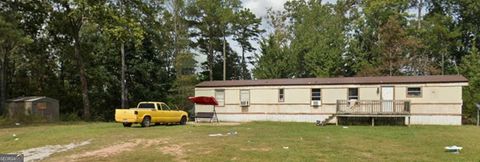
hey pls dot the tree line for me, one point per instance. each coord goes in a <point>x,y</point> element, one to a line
<point>374,38</point>
<point>98,55</point>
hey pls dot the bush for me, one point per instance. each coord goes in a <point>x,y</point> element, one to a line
<point>70,117</point>
<point>468,120</point>
<point>5,121</point>
<point>22,119</point>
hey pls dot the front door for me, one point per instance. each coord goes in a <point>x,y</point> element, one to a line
<point>387,99</point>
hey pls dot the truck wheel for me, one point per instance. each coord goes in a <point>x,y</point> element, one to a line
<point>183,121</point>
<point>127,124</point>
<point>145,122</point>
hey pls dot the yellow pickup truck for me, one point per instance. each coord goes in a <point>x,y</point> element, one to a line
<point>147,113</point>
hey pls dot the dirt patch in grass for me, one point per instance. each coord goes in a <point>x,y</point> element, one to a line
<point>205,151</point>
<point>262,149</point>
<point>118,148</point>
<point>39,153</point>
<point>175,150</point>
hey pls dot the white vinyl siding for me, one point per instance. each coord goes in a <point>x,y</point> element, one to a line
<point>220,96</point>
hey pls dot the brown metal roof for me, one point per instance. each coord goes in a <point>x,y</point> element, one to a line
<point>340,80</point>
<point>30,99</point>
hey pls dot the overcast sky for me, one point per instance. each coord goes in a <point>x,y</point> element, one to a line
<point>259,7</point>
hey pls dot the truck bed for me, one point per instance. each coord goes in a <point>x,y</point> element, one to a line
<point>126,115</point>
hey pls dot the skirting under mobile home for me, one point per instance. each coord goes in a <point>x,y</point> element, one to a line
<point>435,100</point>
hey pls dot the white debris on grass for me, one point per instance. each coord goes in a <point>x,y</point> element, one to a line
<point>39,153</point>
<point>17,124</point>
<point>453,149</point>
<point>345,127</point>
<point>215,135</point>
<point>227,134</point>
<point>285,147</point>
<point>14,135</point>
<point>232,133</point>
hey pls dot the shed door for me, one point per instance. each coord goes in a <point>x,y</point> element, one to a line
<point>41,109</point>
<point>387,99</point>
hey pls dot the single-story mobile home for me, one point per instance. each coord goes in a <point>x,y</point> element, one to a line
<point>414,99</point>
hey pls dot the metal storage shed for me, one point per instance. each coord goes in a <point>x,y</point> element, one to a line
<point>39,106</point>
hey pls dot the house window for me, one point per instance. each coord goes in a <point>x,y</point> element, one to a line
<point>245,95</point>
<point>352,93</point>
<point>220,96</point>
<point>316,94</point>
<point>414,92</point>
<point>281,95</point>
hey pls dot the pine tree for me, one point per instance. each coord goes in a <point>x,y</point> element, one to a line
<point>246,27</point>
<point>470,68</point>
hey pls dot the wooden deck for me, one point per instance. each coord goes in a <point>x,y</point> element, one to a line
<point>373,107</point>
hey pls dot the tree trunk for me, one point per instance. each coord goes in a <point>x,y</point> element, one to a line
<point>390,64</point>
<point>419,13</point>
<point>478,116</point>
<point>62,74</point>
<point>3,85</point>
<point>443,64</point>
<point>6,50</point>
<point>83,79</point>
<point>244,65</point>
<point>224,58</point>
<point>175,30</point>
<point>210,60</point>
<point>124,81</point>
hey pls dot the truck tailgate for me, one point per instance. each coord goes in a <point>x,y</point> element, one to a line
<point>125,115</point>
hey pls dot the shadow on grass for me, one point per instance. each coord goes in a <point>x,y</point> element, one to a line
<point>156,125</point>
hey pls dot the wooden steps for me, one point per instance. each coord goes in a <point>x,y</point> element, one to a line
<point>324,122</point>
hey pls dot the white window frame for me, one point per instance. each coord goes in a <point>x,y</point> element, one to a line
<point>350,97</point>
<point>414,96</point>
<point>281,95</point>
<point>313,94</point>
<point>244,92</point>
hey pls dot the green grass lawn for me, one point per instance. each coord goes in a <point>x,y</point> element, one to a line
<point>257,141</point>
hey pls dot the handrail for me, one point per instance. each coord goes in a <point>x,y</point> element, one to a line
<point>373,106</point>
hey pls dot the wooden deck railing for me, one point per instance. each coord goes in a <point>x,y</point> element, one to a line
<point>373,107</point>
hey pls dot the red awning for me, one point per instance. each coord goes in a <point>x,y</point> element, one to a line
<point>204,100</point>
